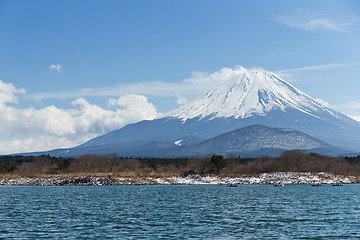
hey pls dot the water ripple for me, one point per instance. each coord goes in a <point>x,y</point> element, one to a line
<point>180,212</point>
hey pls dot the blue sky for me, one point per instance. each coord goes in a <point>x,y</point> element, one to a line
<point>72,70</point>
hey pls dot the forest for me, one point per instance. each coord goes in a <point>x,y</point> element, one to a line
<point>229,165</point>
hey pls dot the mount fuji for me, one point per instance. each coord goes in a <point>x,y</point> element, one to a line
<point>251,96</point>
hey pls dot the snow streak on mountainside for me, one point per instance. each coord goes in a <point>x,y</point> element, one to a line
<point>250,92</point>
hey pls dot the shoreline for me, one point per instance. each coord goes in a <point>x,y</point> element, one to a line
<point>258,179</point>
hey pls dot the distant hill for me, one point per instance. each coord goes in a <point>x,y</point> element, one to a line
<point>254,140</point>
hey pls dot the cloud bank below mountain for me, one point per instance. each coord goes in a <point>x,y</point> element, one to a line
<point>31,129</point>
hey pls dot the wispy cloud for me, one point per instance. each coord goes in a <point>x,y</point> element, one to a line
<point>351,108</point>
<point>309,24</point>
<point>308,21</point>
<point>355,106</point>
<point>317,67</point>
<point>152,88</point>
<point>355,117</point>
<point>294,74</point>
<point>56,67</point>
<point>198,83</point>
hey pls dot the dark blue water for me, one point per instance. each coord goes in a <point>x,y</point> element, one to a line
<point>180,212</point>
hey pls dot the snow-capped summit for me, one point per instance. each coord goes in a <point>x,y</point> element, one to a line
<point>250,92</point>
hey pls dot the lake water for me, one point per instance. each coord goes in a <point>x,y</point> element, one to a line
<point>180,212</point>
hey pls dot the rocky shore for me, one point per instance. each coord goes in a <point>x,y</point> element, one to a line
<point>263,178</point>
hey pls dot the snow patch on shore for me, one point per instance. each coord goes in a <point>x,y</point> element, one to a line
<point>263,178</point>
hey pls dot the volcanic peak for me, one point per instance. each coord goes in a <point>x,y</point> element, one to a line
<point>248,93</point>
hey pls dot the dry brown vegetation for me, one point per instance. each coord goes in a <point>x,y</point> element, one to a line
<point>113,166</point>
<point>294,161</point>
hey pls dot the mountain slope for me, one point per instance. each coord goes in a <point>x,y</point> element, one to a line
<point>253,140</point>
<point>250,93</point>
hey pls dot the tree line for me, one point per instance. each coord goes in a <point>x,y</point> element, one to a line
<point>230,165</point>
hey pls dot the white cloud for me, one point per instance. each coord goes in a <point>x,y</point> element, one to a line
<point>355,117</point>
<point>8,91</point>
<point>305,20</point>
<point>36,129</point>
<point>40,143</point>
<point>181,100</point>
<point>213,79</point>
<point>133,107</point>
<point>55,67</point>
<point>326,104</point>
